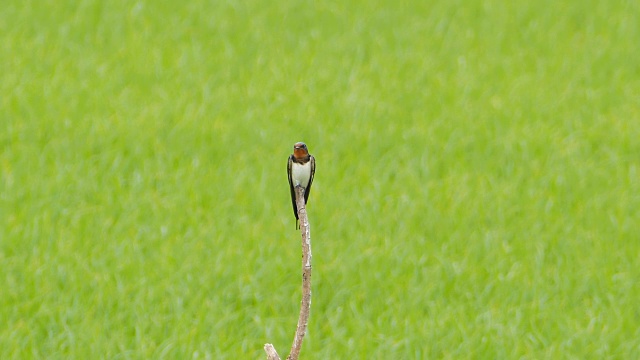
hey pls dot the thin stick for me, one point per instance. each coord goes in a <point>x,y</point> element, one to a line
<point>272,354</point>
<point>305,307</point>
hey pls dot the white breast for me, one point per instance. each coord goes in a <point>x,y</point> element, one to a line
<point>300,174</point>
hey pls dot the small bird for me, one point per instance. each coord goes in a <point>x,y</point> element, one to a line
<point>301,168</point>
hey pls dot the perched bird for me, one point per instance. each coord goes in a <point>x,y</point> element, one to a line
<point>301,168</point>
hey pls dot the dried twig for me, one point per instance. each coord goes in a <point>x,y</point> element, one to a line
<point>272,354</point>
<point>305,307</point>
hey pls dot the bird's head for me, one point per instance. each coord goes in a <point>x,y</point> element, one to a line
<point>300,150</point>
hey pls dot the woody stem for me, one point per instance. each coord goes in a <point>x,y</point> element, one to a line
<point>305,307</point>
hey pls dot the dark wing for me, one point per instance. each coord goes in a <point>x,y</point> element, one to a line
<point>293,193</point>
<point>313,172</point>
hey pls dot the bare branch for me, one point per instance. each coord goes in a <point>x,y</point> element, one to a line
<point>272,354</point>
<point>305,307</point>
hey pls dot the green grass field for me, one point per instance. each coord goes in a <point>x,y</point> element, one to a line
<point>477,193</point>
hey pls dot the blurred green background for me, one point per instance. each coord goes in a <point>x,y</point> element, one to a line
<point>477,191</point>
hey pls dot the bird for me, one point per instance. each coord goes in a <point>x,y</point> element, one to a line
<point>301,169</point>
